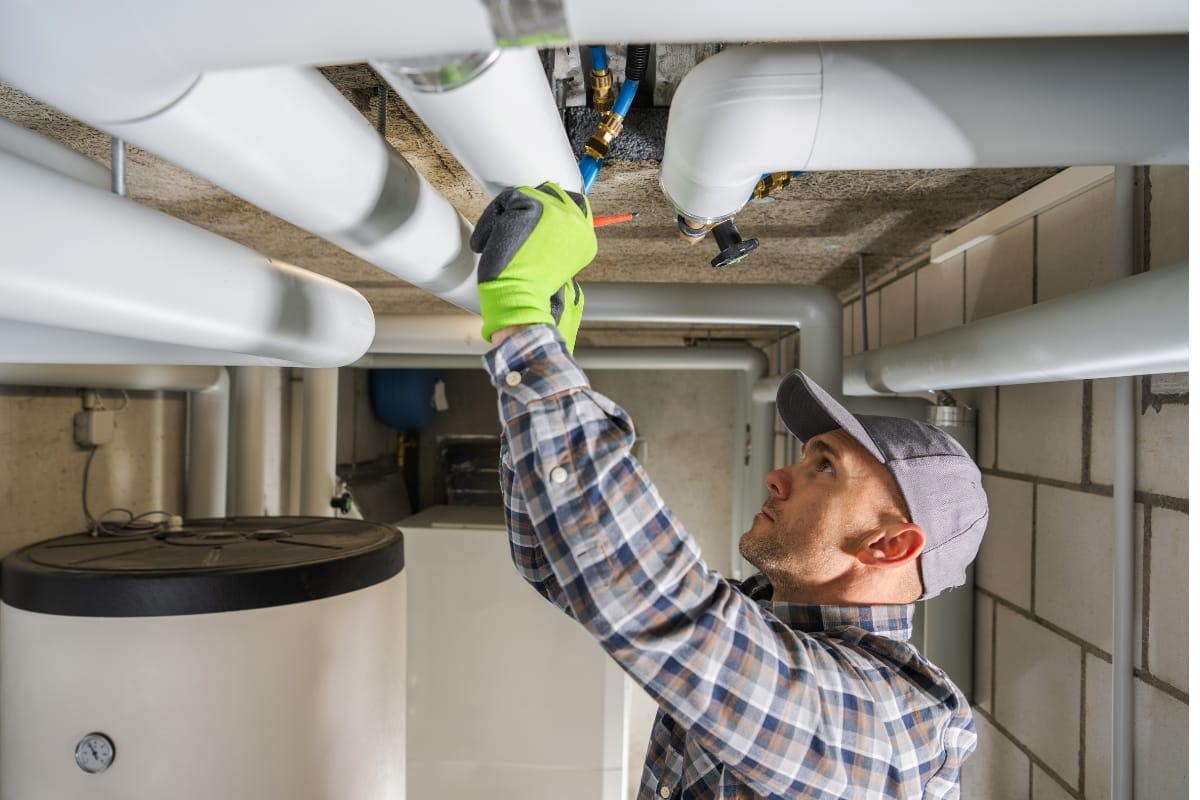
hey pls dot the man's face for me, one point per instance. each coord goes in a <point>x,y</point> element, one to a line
<point>819,512</point>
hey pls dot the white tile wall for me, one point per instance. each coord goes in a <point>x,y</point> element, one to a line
<point>940,296</point>
<point>984,608</point>
<point>1169,596</point>
<point>848,330</point>
<point>1038,685</point>
<point>872,320</point>
<point>1041,430</point>
<point>898,311</point>
<point>1160,755</point>
<point>984,400</point>
<point>1097,735</point>
<point>999,273</point>
<point>1005,561</point>
<point>855,327</point>
<point>1075,244</point>
<point>997,770</point>
<point>1074,554</point>
<point>1162,451</point>
<point>1046,788</point>
<point>1168,215</point>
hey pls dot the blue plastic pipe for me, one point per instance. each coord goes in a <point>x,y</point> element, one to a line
<point>589,167</point>
<point>599,57</point>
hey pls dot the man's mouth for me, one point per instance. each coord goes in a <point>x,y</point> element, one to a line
<point>765,513</point>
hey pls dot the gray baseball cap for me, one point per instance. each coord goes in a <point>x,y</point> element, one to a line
<point>939,481</point>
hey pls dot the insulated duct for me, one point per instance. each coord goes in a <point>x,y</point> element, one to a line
<point>128,271</point>
<point>995,103</point>
<point>36,149</point>
<point>524,140</point>
<point>1080,336</point>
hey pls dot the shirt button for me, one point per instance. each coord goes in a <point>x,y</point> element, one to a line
<point>512,378</point>
<point>558,475</point>
<point>664,791</point>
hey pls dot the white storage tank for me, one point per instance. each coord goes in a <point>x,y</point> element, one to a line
<point>241,658</point>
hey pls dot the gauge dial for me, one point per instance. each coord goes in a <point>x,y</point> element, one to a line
<point>95,753</point>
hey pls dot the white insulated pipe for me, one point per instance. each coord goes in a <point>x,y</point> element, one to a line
<point>318,460</point>
<point>153,62</point>
<point>30,343</point>
<point>248,484</point>
<point>79,258</point>
<point>814,310</point>
<point>208,414</point>
<point>1124,457</point>
<point>769,20</point>
<point>1135,326</point>
<point>35,148</point>
<point>908,105</point>
<point>208,450</point>
<point>503,125</point>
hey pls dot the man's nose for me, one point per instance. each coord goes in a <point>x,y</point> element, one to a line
<point>778,483</point>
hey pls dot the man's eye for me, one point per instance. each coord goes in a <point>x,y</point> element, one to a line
<point>824,466</point>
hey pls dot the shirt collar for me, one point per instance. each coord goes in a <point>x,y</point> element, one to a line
<point>892,621</point>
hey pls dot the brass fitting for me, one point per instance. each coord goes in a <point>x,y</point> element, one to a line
<point>603,95</point>
<point>691,231</point>
<point>607,129</point>
<point>770,184</point>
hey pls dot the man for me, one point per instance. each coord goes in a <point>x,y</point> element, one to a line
<point>798,683</point>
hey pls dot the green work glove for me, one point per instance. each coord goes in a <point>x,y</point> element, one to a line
<point>532,243</point>
<point>566,306</point>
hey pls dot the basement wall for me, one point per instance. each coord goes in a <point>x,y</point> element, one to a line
<point>1043,596</point>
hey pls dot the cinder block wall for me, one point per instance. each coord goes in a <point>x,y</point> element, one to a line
<point>1043,640</point>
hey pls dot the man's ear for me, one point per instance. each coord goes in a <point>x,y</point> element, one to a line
<point>893,546</point>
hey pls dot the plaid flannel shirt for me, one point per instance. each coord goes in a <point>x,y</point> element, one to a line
<point>757,699</point>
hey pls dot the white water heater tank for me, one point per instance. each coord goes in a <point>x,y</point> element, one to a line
<point>233,658</point>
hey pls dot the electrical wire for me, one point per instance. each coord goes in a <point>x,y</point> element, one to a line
<point>132,525</point>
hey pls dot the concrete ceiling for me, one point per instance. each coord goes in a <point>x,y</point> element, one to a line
<point>811,232</point>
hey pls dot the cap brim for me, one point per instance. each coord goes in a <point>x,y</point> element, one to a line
<point>808,410</point>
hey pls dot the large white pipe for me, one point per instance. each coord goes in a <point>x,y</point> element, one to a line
<point>208,414</point>
<point>1124,457</point>
<point>503,125</point>
<point>1135,326</point>
<point>26,144</point>
<point>248,478</point>
<point>208,450</point>
<point>318,475</point>
<point>769,20</point>
<point>30,343</point>
<point>83,259</point>
<point>155,61</point>
<point>815,310</point>
<point>933,104</point>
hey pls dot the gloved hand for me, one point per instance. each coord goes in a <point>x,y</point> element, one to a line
<point>532,243</point>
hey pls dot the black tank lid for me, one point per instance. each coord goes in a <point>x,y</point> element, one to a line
<point>207,566</point>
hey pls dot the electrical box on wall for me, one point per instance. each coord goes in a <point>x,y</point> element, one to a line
<point>93,427</point>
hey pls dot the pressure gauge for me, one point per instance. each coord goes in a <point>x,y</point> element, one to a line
<point>95,753</point>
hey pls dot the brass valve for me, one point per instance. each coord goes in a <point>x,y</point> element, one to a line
<point>607,129</point>
<point>603,95</point>
<point>770,184</point>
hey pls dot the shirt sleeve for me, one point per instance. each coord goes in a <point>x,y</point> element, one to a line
<point>774,705</point>
<point>527,555</point>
